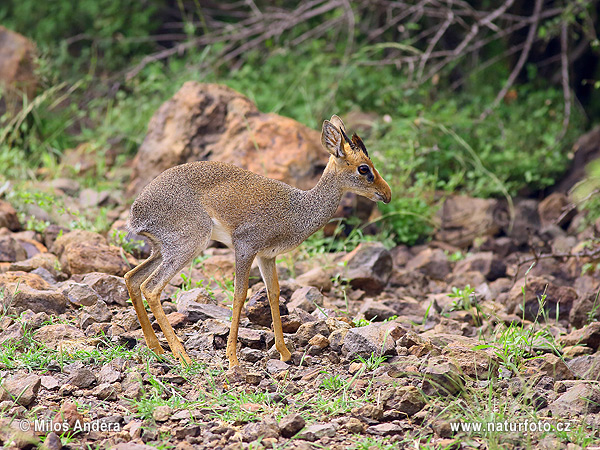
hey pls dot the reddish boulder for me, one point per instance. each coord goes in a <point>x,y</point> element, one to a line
<point>214,122</point>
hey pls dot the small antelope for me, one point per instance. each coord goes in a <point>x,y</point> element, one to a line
<point>186,206</point>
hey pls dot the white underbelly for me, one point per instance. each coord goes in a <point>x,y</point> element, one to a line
<point>220,233</point>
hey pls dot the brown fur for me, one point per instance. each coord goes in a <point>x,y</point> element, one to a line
<point>186,206</point>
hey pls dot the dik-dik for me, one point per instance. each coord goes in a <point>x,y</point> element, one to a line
<point>186,206</point>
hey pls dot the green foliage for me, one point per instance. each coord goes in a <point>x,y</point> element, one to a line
<point>373,361</point>
<point>112,30</point>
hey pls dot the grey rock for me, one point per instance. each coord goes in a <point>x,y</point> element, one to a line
<point>581,399</point>
<point>588,335</point>
<point>276,366</point>
<point>108,374</point>
<point>308,330</point>
<point>100,312</point>
<point>486,263</point>
<point>264,429</point>
<point>432,262</point>
<point>162,413</point>
<point>376,311</point>
<point>291,424</point>
<point>110,288</point>
<point>586,367</point>
<point>385,429</point>
<point>441,377</point>
<point>258,309</point>
<point>377,338</point>
<point>82,378</point>
<point>79,294</point>
<point>315,432</point>
<point>20,387</point>
<point>306,299</point>
<point>13,334</point>
<point>49,382</point>
<point>255,338</point>
<point>37,300</point>
<point>105,391</point>
<point>11,250</point>
<point>368,267</point>
<point>195,311</point>
<point>52,442</point>
<point>198,295</point>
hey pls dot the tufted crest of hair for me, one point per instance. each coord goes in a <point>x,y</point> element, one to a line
<point>358,144</point>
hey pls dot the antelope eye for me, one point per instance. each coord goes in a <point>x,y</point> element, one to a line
<point>363,169</point>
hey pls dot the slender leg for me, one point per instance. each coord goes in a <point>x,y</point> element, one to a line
<point>243,262</point>
<point>268,270</point>
<point>133,280</point>
<point>152,288</point>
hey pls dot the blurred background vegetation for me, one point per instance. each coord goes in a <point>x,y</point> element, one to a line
<point>482,97</point>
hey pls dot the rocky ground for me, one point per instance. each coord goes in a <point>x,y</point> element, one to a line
<point>493,323</point>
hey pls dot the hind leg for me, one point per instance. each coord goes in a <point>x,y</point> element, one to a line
<point>177,251</point>
<point>133,279</point>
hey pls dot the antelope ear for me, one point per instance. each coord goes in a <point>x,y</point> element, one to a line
<point>331,138</point>
<point>338,123</point>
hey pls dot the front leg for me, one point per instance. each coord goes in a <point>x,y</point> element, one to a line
<point>268,270</point>
<point>243,262</point>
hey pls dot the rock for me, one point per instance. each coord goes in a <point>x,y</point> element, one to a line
<point>368,267</point>
<point>317,277</point>
<point>526,219</point>
<point>385,429</point>
<point>17,70</point>
<point>588,335</point>
<point>430,262</point>
<point>586,367</point>
<point>52,335</point>
<point>210,121</point>
<point>441,377</point>
<point>264,429</point>
<point>133,446</point>
<point>561,297</point>
<point>75,236</point>
<point>549,365</point>
<point>49,383</point>
<point>315,432</point>
<point>551,210</point>
<point>306,298</point>
<point>585,309</point>
<point>406,400</point>
<point>485,263</point>
<point>21,297</point>
<point>11,249</point>
<point>198,295</point>
<point>162,413</point>
<point>476,364</point>
<point>254,338</point>
<point>52,442</point>
<point>20,387</point>
<point>377,338</point>
<point>46,261</point>
<point>581,399</point>
<point>67,186</point>
<point>354,426</point>
<point>291,424</point>
<point>13,334</point>
<point>258,309</point>
<point>308,330</point>
<point>376,311</point>
<point>197,311</point>
<point>276,366</point>
<point>290,323</point>
<point>463,219</point>
<point>8,217</point>
<point>79,294</point>
<point>86,257</point>
<point>110,288</point>
<point>319,341</point>
<point>82,378</point>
